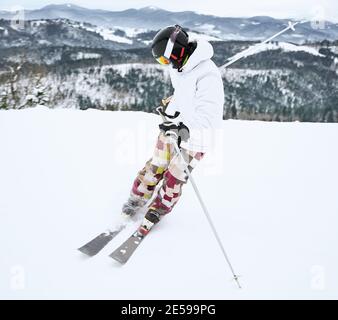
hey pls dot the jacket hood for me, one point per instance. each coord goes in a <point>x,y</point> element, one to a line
<point>204,51</point>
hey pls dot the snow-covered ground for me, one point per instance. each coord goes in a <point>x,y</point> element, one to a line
<point>270,187</point>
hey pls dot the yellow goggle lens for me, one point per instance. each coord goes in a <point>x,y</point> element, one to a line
<point>163,60</point>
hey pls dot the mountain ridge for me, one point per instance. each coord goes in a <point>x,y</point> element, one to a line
<point>154,18</point>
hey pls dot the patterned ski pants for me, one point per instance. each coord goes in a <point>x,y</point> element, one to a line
<point>165,165</point>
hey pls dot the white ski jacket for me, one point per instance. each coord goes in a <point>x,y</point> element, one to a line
<point>198,96</point>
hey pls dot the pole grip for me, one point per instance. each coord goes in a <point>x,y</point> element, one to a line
<point>163,114</point>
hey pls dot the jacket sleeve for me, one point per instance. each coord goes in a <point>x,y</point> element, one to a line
<point>208,104</point>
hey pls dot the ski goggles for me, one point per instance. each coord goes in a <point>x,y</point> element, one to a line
<point>163,60</point>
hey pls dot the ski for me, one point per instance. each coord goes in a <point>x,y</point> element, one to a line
<point>94,246</point>
<point>123,253</point>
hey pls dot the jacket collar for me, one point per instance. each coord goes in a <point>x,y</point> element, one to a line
<point>204,51</point>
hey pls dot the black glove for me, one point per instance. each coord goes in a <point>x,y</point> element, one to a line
<point>180,129</point>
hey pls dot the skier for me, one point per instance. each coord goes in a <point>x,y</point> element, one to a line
<point>197,103</point>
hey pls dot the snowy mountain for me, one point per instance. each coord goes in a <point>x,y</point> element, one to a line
<point>152,18</point>
<point>67,63</point>
<point>65,32</point>
<point>271,189</point>
<point>276,81</point>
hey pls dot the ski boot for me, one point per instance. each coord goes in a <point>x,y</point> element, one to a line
<point>133,205</point>
<point>151,218</point>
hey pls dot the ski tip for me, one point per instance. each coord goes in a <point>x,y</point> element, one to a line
<point>118,258</point>
<point>87,252</point>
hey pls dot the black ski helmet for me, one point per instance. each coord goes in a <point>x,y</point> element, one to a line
<point>171,45</point>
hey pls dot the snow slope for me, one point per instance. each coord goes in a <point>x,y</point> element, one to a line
<point>284,46</point>
<point>270,187</point>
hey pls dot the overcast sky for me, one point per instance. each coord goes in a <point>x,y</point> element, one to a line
<point>236,8</point>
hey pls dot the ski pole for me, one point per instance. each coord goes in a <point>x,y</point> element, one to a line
<point>173,138</point>
<point>240,55</point>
